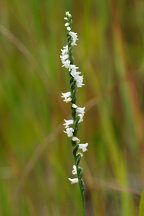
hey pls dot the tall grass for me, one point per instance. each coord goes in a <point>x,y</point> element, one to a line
<point>33,172</point>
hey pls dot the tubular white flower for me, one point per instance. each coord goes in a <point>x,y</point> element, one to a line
<point>66,96</point>
<point>80,111</point>
<point>74,106</point>
<point>68,28</point>
<point>83,147</point>
<point>65,57</point>
<point>81,118</point>
<point>73,67</point>
<point>68,14</point>
<point>75,74</point>
<point>79,81</point>
<point>74,38</point>
<point>73,181</point>
<point>67,24</point>
<point>76,139</point>
<point>66,63</point>
<point>68,123</point>
<point>74,171</point>
<point>69,132</point>
<point>64,50</point>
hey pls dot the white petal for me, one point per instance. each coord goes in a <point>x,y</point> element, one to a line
<point>68,123</point>
<point>68,28</point>
<point>68,14</point>
<point>67,24</point>
<point>66,97</point>
<point>80,110</point>
<point>73,67</point>
<point>73,181</point>
<point>74,171</point>
<point>69,132</point>
<point>83,147</point>
<point>74,38</point>
<point>81,117</point>
<point>74,106</point>
<point>76,139</point>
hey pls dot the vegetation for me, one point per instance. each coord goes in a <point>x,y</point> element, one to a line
<point>35,154</point>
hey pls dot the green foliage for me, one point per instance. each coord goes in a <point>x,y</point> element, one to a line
<point>141,206</point>
<point>110,53</point>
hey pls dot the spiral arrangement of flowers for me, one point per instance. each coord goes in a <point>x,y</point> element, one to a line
<point>71,126</point>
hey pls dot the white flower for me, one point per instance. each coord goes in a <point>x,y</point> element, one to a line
<point>81,118</point>
<point>80,111</point>
<point>65,57</point>
<point>66,63</point>
<point>75,74</point>
<point>67,123</point>
<point>73,67</point>
<point>68,14</point>
<point>67,24</point>
<point>69,132</point>
<point>83,147</point>
<point>74,106</point>
<point>64,50</point>
<point>66,96</point>
<point>79,81</point>
<point>74,171</point>
<point>73,181</point>
<point>68,28</point>
<point>74,38</point>
<point>76,139</point>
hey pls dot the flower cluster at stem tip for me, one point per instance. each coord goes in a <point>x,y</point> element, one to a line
<point>67,62</point>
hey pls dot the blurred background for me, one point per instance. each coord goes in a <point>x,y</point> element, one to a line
<point>35,155</point>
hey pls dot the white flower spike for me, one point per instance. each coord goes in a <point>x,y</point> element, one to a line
<point>76,81</point>
<point>73,180</point>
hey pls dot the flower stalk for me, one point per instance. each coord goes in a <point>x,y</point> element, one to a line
<point>71,126</point>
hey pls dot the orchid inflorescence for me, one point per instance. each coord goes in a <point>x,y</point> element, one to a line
<point>76,81</point>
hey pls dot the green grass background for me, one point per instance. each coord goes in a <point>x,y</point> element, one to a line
<point>35,155</point>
